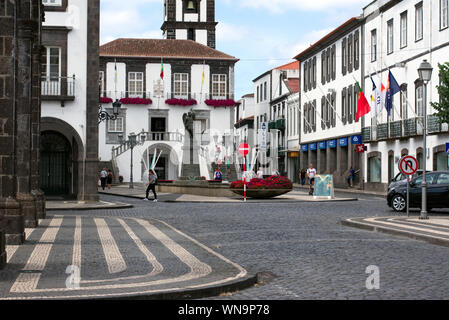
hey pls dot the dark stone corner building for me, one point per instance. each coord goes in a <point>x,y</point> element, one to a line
<point>22,201</point>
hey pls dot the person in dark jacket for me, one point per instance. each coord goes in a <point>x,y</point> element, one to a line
<point>152,181</point>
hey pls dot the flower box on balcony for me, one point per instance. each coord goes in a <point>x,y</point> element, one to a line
<point>136,101</point>
<point>181,102</point>
<point>220,103</point>
<point>105,100</point>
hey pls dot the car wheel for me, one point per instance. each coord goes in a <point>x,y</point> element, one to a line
<point>398,203</point>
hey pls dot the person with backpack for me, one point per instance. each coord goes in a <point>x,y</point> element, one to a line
<point>152,182</point>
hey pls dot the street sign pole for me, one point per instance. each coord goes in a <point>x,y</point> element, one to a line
<point>408,196</point>
<point>408,165</point>
<point>244,179</point>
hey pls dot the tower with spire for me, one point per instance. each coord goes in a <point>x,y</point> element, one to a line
<point>190,20</point>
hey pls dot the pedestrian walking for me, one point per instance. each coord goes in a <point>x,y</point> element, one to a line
<point>152,182</point>
<point>103,178</point>
<point>302,176</point>
<point>311,173</point>
<point>109,179</point>
<point>351,177</point>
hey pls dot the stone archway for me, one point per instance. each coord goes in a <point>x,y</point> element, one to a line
<point>74,155</point>
<point>167,167</point>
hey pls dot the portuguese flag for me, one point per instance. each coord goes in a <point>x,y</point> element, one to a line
<point>363,107</point>
<point>162,69</point>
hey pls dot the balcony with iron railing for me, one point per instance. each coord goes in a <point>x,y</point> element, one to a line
<point>58,88</point>
<point>151,137</point>
<point>402,129</point>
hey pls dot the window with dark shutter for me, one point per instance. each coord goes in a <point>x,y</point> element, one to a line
<point>305,76</point>
<point>334,113</point>
<point>329,111</point>
<point>356,101</point>
<point>323,67</point>
<point>343,57</point>
<point>328,65</point>
<point>350,49</point>
<point>323,102</point>
<point>334,62</point>
<point>314,72</point>
<point>310,76</point>
<point>356,50</point>
<point>344,101</point>
<point>305,115</point>
<point>314,115</point>
<point>350,104</point>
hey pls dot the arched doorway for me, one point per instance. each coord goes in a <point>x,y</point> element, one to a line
<point>55,164</point>
<point>167,167</point>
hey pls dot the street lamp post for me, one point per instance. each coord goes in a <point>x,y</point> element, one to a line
<point>425,74</point>
<point>132,141</point>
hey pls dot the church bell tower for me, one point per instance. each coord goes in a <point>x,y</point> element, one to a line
<point>190,20</point>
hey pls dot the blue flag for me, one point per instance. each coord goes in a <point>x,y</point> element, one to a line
<point>392,89</point>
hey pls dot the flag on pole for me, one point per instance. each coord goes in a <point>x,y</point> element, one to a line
<point>373,97</point>
<point>363,107</point>
<point>115,76</point>
<point>162,69</point>
<point>203,75</point>
<point>379,98</point>
<point>392,88</point>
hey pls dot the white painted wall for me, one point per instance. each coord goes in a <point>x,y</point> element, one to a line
<point>181,34</point>
<point>201,36</point>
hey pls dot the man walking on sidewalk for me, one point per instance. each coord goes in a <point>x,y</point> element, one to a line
<point>152,181</point>
<point>311,173</point>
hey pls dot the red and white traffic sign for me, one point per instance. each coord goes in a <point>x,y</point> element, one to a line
<point>244,149</point>
<point>408,165</point>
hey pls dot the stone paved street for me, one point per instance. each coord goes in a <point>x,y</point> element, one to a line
<point>302,249</point>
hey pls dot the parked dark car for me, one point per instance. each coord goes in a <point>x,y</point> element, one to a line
<point>437,192</point>
<point>402,179</point>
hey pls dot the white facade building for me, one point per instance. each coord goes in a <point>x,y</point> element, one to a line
<point>331,69</point>
<point>398,36</point>
<point>70,36</point>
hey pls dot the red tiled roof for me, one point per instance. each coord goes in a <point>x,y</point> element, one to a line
<point>161,48</point>
<point>293,84</point>
<point>289,66</point>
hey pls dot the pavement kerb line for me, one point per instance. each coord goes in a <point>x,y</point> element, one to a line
<point>417,223</point>
<point>200,290</point>
<point>395,232</point>
<point>375,220</point>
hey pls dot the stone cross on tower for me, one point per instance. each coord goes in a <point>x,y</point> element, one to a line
<point>190,20</point>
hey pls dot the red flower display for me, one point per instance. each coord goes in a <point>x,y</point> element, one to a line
<point>181,102</point>
<point>273,182</point>
<point>136,101</point>
<point>106,100</point>
<point>220,103</point>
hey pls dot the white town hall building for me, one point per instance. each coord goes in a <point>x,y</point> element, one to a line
<point>158,81</point>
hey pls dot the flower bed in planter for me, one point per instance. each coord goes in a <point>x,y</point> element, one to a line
<point>136,101</point>
<point>106,100</point>
<point>181,102</point>
<point>263,188</point>
<point>220,103</point>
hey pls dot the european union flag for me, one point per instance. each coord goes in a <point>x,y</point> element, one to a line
<point>392,89</point>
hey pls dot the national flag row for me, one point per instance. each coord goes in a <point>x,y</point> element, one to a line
<point>381,97</point>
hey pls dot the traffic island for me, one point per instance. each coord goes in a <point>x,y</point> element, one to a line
<point>434,230</point>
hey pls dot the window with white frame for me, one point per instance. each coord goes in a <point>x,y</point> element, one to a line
<point>219,84</point>
<point>52,2</point>
<point>373,45</point>
<point>404,109</point>
<point>115,126</point>
<point>419,99</point>
<point>444,14</point>
<point>418,22</point>
<point>101,82</point>
<point>390,32</point>
<point>181,85</point>
<point>403,29</point>
<point>135,84</point>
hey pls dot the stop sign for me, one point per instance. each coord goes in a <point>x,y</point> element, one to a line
<point>244,149</point>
